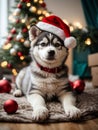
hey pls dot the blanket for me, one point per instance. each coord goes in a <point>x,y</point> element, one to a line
<point>87,103</point>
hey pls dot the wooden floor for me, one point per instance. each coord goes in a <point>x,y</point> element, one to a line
<point>88,125</point>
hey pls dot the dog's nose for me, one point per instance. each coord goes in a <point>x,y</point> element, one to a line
<point>51,53</point>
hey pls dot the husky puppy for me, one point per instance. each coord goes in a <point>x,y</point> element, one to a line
<point>46,76</point>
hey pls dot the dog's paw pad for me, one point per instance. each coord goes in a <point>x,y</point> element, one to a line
<point>40,114</point>
<point>17,93</point>
<point>73,112</point>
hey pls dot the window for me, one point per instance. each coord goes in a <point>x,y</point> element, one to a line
<point>5,5</point>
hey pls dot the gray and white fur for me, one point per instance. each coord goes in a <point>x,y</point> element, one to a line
<point>37,84</point>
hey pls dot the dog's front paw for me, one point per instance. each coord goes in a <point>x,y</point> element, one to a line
<point>40,114</point>
<point>72,112</point>
<point>17,93</point>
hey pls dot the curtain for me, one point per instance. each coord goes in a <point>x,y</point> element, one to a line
<point>90,8</point>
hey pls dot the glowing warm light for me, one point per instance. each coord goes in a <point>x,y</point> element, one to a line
<point>11,18</point>
<point>47,14</point>
<point>7,46</point>
<point>28,26</point>
<point>14,72</point>
<point>71,28</point>
<point>35,1</point>
<point>40,18</point>
<point>39,12</point>
<point>4,64</point>
<point>23,20</point>
<point>88,41</point>
<point>77,24</point>
<point>22,40</point>
<point>28,4</point>
<point>40,1</point>
<point>33,9</point>
<point>44,12</point>
<point>22,57</point>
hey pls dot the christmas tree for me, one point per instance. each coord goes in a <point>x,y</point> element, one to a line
<point>14,54</point>
<point>87,38</point>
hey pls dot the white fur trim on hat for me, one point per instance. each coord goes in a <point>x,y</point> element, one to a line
<point>70,42</point>
<point>51,28</point>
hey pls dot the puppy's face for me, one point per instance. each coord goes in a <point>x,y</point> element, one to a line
<point>48,49</point>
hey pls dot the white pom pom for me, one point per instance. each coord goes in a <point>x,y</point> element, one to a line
<point>70,42</point>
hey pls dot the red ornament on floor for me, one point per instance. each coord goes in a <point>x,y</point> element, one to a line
<point>10,106</point>
<point>79,86</point>
<point>5,86</point>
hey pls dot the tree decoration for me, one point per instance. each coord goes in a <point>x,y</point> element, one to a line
<point>27,43</point>
<point>9,38</point>
<point>13,31</point>
<point>43,5</point>
<point>19,54</point>
<point>19,6</point>
<point>9,66</point>
<point>19,36</point>
<point>87,38</point>
<point>15,52</point>
<point>17,12</point>
<point>24,30</point>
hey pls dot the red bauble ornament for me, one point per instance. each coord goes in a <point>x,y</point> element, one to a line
<point>78,86</point>
<point>25,0</point>
<point>43,4</point>
<point>24,30</point>
<point>5,86</point>
<point>19,6</point>
<point>9,66</point>
<point>17,20</point>
<point>13,31</point>
<point>9,38</point>
<point>19,54</point>
<point>10,106</point>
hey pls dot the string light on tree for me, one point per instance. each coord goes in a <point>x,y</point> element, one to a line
<point>78,25</point>
<point>28,4</point>
<point>14,72</point>
<point>88,41</point>
<point>24,14</point>
<point>4,64</point>
<point>7,46</point>
<point>33,9</point>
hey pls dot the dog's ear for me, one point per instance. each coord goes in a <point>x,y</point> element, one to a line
<point>34,32</point>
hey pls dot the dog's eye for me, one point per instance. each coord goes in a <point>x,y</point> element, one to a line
<point>58,45</point>
<point>43,44</point>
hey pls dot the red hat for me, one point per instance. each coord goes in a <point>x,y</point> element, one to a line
<point>56,26</point>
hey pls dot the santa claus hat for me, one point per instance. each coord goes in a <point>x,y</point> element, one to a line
<point>56,26</point>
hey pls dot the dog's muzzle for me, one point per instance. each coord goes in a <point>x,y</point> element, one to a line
<point>51,55</point>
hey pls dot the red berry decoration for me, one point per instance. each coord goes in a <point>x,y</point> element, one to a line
<point>78,86</point>
<point>10,106</point>
<point>5,86</point>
